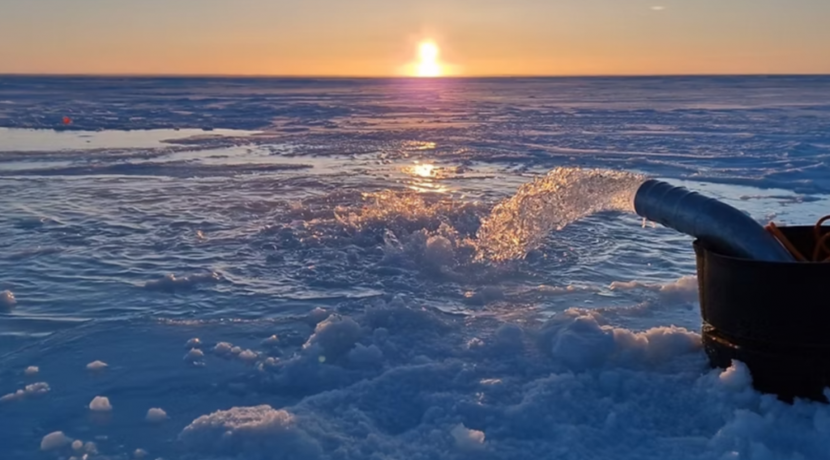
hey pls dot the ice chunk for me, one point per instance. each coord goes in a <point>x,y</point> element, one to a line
<point>248,356</point>
<point>31,370</point>
<point>34,389</point>
<point>194,354</point>
<point>193,343</point>
<point>7,300</point>
<point>156,415</point>
<point>97,366</point>
<point>271,341</point>
<point>100,404</point>
<point>736,376</point>
<point>223,348</point>
<point>55,440</point>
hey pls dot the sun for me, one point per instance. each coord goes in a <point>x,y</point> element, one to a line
<point>428,64</point>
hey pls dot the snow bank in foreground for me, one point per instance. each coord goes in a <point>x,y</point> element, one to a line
<point>377,379</point>
<point>400,381</point>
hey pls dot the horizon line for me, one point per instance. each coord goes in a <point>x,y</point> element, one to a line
<point>399,77</point>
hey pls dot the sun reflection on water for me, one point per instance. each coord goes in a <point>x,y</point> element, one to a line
<point>425,177</point>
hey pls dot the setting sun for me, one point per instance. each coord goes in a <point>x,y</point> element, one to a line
<point>428,65</point>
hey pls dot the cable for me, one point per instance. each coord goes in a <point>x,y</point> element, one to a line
<point>821,251</point>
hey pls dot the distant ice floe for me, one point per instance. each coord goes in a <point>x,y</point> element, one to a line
<point>31,370</point>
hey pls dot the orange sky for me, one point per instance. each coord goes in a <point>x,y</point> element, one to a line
<point>379,38</point>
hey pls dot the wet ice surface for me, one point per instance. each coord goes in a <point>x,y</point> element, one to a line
<point>325,258</point>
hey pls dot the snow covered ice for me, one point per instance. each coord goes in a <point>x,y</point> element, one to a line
<point>367,269</point>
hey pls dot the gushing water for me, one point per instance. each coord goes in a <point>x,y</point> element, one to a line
<point>551,202</point>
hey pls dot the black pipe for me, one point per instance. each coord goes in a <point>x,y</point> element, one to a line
<point>717,224</point>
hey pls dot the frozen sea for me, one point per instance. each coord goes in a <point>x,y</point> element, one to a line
<point>289,268</point>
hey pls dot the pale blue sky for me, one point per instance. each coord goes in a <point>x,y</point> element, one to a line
<point>379,37</point>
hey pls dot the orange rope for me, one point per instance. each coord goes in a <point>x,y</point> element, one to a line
<point>821,252</point>
<point>772,228</point>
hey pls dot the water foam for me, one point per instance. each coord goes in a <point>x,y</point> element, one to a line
<point>551,202</point>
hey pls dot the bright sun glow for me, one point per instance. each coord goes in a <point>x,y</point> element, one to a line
<point>424,170</point>
<point>428,65</point>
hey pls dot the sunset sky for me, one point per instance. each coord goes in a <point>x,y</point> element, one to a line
<point>383,37</point>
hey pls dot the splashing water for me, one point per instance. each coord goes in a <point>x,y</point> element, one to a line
<point>564,195</point>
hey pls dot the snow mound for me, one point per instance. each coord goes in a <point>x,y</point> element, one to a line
<point>250,432</point>
<point>467,439</point>
<point>248,356</point>
<point>334,337</point>
<point>362,355</point>
<point>577,338</point>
